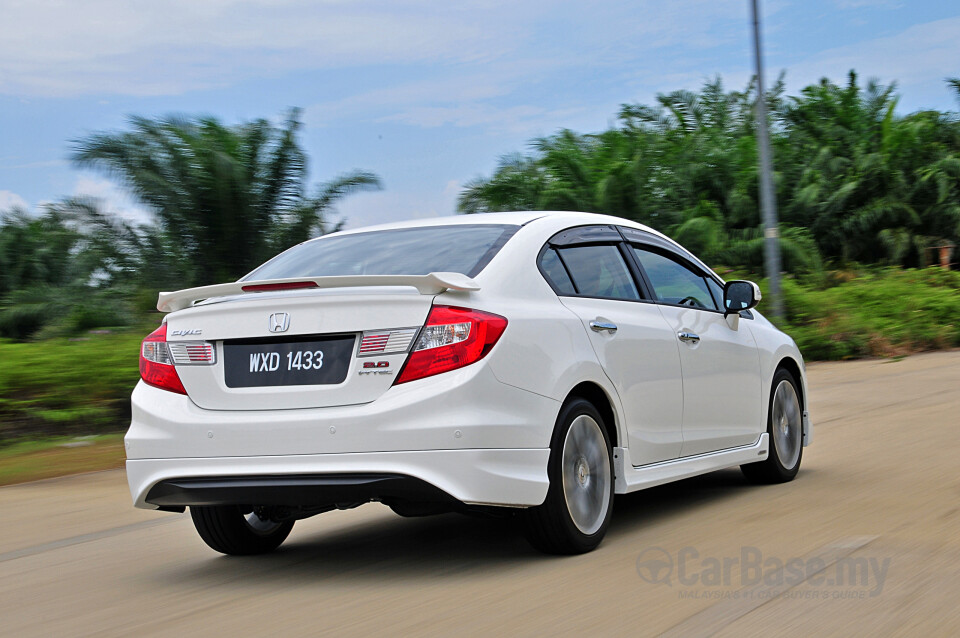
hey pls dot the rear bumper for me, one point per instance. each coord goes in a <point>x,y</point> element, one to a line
<point>308,491</point>
<point>506,477</point>
<point>463,409</point>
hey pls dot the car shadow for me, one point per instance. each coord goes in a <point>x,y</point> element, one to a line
<point>436,547</point>
<point>664,501</point>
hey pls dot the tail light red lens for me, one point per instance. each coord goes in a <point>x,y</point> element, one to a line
<point>452,338</point>
<point>156,362</point>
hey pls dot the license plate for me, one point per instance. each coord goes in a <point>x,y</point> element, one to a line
<point>308,361</point>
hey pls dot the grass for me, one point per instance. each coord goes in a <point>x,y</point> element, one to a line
<point>32,460</point>
<point>881,312</point>
<point>67,386</point>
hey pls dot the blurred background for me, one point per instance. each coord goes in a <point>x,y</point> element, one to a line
<point>148,147</point>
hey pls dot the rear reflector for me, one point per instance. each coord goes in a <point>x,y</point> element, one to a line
<point>292,285</point>
<point>386,341</point>
<point>192,352</point>
<point>452,338</point>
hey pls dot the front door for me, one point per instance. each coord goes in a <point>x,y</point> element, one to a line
<point>722,402</point>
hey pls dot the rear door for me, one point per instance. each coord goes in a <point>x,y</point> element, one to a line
<point>722,404</point>
<point>637,349</point>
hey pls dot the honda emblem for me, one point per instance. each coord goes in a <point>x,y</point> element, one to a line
<point>279,322</point>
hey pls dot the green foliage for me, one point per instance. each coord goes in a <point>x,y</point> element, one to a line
<point>66,270</point>
<point>855,181</point>
<point>34,251</point>
<point>61,386</point>
<point>225,198</point>
<point>878,312</point>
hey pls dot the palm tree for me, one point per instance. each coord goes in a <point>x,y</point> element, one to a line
<point>34,250</point>
<point>855,180</point>
<point>70,268</point>
<point>515,185</point>
<point>225,197</point>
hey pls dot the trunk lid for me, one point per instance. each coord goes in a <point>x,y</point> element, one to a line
<point>299,349</point>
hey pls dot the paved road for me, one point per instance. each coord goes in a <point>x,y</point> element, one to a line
<point>866,541</point>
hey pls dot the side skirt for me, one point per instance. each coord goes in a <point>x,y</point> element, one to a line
<point>631,478</point>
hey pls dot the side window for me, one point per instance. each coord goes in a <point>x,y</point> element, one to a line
<point>674,283</point>
<point>599,271</point>
<point>556,273</point>
<point>717,291</point>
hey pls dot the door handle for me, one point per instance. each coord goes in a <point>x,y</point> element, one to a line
<point>689,337</point>
<point>599,326</point>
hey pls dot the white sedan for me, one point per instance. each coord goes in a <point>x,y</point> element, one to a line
<point>531,363</point>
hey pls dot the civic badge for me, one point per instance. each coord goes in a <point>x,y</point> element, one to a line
<point>279,322</point>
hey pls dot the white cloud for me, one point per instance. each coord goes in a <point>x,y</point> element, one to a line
<point>367,209</point>
<point>517,119</point>
<point>860,4</point>
<point>644,42</point>
<point>457,89</point>
<point>37,164</point>
<point>51,47</point>
<point>920,56</point>
<point>452,189</point>
<point>112,199</point>
<point>10,200</point>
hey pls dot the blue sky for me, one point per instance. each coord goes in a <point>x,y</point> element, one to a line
<point>426,94</point>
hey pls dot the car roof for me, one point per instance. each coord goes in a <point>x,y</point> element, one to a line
<point>516,218</point>
<point>556,218</point>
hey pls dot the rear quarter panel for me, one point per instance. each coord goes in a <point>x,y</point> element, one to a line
<point>545,348</point>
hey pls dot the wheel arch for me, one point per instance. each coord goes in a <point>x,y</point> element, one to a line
<point>790,365</point>
<point>596,395</point>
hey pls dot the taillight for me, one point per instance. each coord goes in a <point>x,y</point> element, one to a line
<point>156,362</point>
<point>452,338</point>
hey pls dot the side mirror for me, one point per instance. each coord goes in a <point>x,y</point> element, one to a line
<point>740,295</point>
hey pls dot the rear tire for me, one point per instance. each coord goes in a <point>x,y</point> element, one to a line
<point>785,428</point>
<point>229,530</point>
<point>574,517</point>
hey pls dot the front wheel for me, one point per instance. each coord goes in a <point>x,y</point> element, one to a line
<point>785,427</point>
<point>230,530</point>
<point>576,513</point>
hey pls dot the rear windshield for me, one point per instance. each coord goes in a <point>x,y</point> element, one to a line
<point>464,249</point>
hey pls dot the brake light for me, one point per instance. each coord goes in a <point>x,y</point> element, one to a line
<point>156,362</point>
<point>452,338</point>
<point>285,285</point>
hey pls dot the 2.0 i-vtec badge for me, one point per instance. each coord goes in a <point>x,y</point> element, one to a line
<point>375,367</point>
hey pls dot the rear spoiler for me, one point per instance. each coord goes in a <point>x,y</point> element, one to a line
<point>432,284</point>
